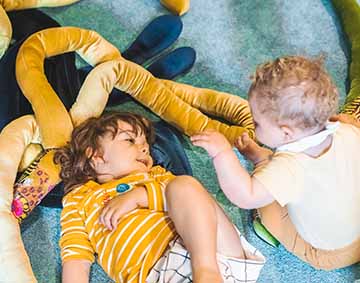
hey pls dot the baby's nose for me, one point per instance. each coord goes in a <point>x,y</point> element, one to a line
<point>144,148</point>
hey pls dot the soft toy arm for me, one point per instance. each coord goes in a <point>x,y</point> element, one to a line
<point>9,5</point>
<point>14,262</point>
<point>5,31</point>
<point>148,90</point>
<point>34,85</point>
<point>178,7</point>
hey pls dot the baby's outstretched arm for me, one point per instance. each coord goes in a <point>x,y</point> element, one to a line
<point>76,271</point>
<point>237,184</point>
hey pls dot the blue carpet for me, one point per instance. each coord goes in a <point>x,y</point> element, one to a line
<point>231,37</point>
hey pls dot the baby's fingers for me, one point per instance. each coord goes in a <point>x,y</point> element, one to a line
<point>105,217</point>
<point>242,141</point>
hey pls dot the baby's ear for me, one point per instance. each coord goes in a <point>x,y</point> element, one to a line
<point>288,133</point>
<point>96,159</point>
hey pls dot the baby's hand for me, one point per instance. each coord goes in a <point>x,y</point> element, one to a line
<point>345,118</point>
<point>120,205</point>
<point>251,150</point>
<point>213,142</point>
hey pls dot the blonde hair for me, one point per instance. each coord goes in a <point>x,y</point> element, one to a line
<point>295,90</point>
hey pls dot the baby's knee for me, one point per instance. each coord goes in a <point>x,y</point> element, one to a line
<point>181,186</point>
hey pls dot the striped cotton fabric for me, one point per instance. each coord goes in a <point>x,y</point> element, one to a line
<point>128,252</point>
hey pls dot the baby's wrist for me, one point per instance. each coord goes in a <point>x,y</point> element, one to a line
<point>141,196</point>
<point>221,153</point>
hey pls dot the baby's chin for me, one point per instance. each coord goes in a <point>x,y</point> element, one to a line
<point>147,164</point>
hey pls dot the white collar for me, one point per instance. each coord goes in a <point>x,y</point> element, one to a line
<point>310,141</point>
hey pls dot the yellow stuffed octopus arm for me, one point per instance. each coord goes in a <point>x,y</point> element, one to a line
<point>178,7</point>
<point>179,104</point>
<point>34,85</point>
<point>11,5</point>
<point>14,138</point>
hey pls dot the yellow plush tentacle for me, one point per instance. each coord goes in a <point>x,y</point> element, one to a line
<point>5,31</point>
<point>152,93</point>
<point>229,107</point>
<point>14,138</point>
<point>52,117</point>
<point>10,5</point>
<point>178,7</point>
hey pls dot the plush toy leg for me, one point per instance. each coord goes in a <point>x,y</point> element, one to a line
<point>158,35</point>
<point>5,31</point>
<point>9,5</point>
<point>178,7</point>
<point>34,85</point>
<point>169,66</point>
<point>231,108</point>
<point>60,70</point>
<point>151,92</point>
<point>349,12</point>
<point>14,262</point>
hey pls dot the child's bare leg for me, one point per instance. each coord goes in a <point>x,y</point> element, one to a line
<point>203,227</point>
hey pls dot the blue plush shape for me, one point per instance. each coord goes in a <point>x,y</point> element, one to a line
<point>177,62</point>
<point>158,35</point>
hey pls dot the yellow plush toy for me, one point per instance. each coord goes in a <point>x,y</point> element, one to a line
<point>178,7</point>
<point>11,5</point>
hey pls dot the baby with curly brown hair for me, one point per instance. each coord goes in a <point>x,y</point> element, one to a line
<point>306,190</point>
<point>143,223</point>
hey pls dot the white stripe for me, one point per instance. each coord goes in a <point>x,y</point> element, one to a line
<point>70,203</point>
<point>67,214</point>
<point>162,187</point>
<point>88,219</point>
<point>79,247</point>
<point>79,228</point>
<point>77,197</point>
<point>63,223</point>
<point>153,191</point>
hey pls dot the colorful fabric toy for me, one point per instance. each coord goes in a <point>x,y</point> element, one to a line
<point>11,5</point>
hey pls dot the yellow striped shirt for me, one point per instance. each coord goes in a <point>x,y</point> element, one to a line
<point>142,235</point>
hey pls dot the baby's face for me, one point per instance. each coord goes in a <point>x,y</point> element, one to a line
<point>267,131</point>
<point>126,153</point>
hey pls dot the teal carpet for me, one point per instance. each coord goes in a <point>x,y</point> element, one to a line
<point>231,37</point>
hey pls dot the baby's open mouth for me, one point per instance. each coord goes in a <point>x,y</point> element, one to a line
<point>144,161</point>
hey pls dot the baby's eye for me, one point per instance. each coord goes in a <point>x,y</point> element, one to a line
<point>130,140</point>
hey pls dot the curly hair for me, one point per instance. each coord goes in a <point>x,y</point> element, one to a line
<point>295,90</point>
<point>75,157</point>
